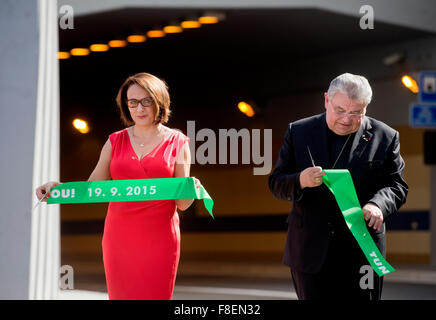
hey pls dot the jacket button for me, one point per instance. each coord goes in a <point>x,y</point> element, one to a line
<point>330,225</point>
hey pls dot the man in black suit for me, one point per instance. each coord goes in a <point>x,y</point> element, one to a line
<point>326,261</point>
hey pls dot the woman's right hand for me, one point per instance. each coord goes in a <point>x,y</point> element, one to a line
<point>45,189</point>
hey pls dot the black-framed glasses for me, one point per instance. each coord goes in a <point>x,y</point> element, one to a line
<point>352,115</point>
<point>146,102</point>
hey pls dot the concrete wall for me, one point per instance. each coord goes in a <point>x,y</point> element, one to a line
<point>419,14</point>
<point>18,92</point>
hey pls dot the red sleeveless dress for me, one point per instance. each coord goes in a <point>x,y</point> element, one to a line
<point>141,240</point>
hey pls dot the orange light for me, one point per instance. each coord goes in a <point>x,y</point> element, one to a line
<point>246,109</point>
<point>79,51</point>
<point>63,55</point>
<point>190,24</point>
<point>155,34</point>
<point>136,38</point>
<point>81,126</point>
<point>99,47</point>
<point>117,43</point>
<point>172,29</point>
<point>410,83</point>
<point>208,20</point>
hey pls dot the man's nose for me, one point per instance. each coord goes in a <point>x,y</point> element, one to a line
<point>348,117</point>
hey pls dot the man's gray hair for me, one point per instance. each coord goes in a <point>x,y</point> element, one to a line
<point>354,86</point>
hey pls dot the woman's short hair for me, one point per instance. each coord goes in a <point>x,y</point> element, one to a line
<point>354,86</point>
<point>155,87</point>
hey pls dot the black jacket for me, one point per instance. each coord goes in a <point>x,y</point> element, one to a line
<point>376,167</point>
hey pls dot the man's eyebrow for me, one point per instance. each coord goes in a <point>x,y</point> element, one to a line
<point>360,110</point>
<point>354,111</point>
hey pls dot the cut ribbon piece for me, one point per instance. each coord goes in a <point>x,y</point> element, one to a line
<point>340,183</point>
<point>130,190</point>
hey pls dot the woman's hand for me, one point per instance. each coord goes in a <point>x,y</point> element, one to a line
<point>197,182</point>
<point>45,190</point>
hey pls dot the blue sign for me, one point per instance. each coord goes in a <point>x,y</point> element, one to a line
<point>423,115</point>
<point>427,87</point>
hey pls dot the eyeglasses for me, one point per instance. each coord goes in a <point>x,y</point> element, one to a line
<point>352,115</point>
<point>146,102</point>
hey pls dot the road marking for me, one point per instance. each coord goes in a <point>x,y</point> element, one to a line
<point>90,295</point>
<point>237,291</point>
<point>81,295</point>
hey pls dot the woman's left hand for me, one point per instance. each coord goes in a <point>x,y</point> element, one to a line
<point>197,182</point>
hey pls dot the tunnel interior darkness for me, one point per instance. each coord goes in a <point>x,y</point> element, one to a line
<point>253,54</point>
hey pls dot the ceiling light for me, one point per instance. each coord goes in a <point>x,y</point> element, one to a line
<point>246,109</point>
<point>210,17</point>
<point>117,43</point>
<point>410,83</point>
<point>81,125</point>
<point>172,29</point>
<point>155,33</point>
<point>136,38</point>
<point>63,55</point>
<point>208,20</point>
<point>190,24</point>
<point>79,51</point>
<point>394,58</point>
<point>99,47</point>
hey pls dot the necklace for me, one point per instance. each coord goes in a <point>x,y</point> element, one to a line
<point>343,147</point>
<point>142,144</point>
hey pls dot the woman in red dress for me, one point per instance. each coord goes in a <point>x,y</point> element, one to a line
<point>141,240</point>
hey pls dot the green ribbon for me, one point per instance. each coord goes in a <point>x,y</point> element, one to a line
<point>130,190</point>
<point>341,185</point>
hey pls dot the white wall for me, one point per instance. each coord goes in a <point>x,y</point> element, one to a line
<point>18,91</point>
<point>29,144</point>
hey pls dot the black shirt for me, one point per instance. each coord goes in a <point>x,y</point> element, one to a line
<point>335,145</point>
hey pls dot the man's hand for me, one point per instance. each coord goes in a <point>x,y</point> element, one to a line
<point>311,177</point>
<point>373,213</point>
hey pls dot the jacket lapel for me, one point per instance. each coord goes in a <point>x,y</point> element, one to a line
<point>318,143</point>
<point>361,140</point>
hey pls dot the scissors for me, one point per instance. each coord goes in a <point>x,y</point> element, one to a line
<point>39,201</point>
<point>310,155</point>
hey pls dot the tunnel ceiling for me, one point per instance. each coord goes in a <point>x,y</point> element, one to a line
<point>210,68</point>
<point>291,32</point>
